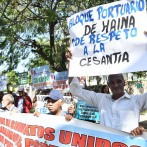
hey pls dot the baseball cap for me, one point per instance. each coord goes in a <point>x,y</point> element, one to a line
<point>20,89</point>
<point>55,95</point>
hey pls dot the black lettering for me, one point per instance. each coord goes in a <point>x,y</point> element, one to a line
<point>119,58</point>
<point>125,57</point>
<point>115,54</point>
<point>113,25</point>
<point>124,21</point>
<point>103,60</point>
<point>105,26</point>
<point>89,60</point>
<point>97,62</point>
<point>109,59</point>
<point>132,21</point>
<point>87,28</point>
<point>92,30</point>
<point>118,24</point>
<point>81,62</point>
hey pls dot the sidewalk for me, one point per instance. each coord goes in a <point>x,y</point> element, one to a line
<point>143,120</point>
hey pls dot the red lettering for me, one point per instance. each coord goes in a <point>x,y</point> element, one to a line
<point>26,131</point>
<point>12,124</point>
<point>49,135</point>
<point>102,142</point>
<point>33,130</point>
<point>65,139</point>
<point>28,142</point>
<point>36,143</point>
<point>8,122</point>
<point>2,139</point>
<point>79,140</point>
<point>90,142</point>
<point>119,144</point>
<point>40,132</point>
<point>2,121</point>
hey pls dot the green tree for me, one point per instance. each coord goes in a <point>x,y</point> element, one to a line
<point>22,23</point>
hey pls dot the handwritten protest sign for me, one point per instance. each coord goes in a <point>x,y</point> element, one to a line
<point>109,39</point>
<point>25,130</point>
<point>41,104</point>
<point>23,79</point>
<point>3,82</point>
<point>87,111</point>
<point>41,77</point>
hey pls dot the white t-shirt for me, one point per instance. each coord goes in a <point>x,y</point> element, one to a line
<point>20,105</point>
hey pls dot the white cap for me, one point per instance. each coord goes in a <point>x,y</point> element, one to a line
<point>55,95</point>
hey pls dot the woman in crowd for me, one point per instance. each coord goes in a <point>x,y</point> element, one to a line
<point>105,89</point>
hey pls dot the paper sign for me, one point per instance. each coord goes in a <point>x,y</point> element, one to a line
<point>41,77</point>
<point>3,82</point>
<point>67,103</point>
<point>109,39</point>
<point>41,104</point>
<point>87,111</point>
<point>60,80</point>
<point>25,130</point>
<point>23,79</point>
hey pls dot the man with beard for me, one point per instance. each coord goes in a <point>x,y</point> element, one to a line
<point>7,102</point>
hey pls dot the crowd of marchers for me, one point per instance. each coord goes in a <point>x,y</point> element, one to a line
<point>117,110</point>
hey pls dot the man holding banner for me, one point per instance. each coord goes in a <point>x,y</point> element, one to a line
<point>119,110</point>
<point>109,39</point>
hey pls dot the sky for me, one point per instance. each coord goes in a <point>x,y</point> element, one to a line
<point>21,67</point>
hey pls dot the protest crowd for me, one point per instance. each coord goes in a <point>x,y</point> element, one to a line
<point>113,107</point>
<point>103,101</point>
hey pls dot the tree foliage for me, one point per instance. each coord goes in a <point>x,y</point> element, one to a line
<point>24,22</point>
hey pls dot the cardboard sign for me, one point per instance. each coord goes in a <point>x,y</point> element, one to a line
<point>41,77</point>
<point>109,39</point>
<point>3,82</point>
<point>25,130</point>
<point>87,111</point>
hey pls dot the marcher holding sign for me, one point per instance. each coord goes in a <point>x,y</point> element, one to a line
<point>109,39</point>
<point>119,110</point>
